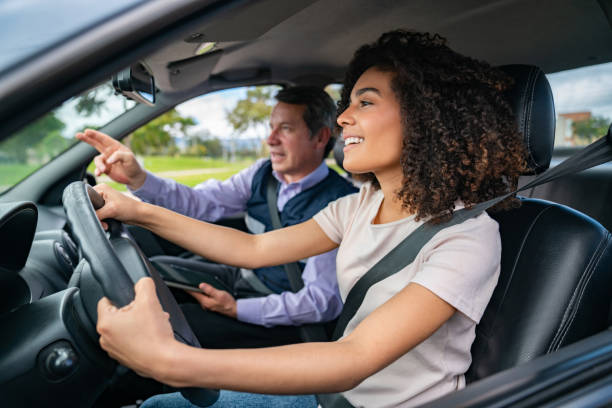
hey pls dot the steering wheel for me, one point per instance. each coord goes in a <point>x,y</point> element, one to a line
<point>107,261</point>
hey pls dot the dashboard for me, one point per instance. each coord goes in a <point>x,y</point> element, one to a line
<point>38,255</point>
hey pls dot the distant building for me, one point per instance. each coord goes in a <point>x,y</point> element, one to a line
<point>564,134</point>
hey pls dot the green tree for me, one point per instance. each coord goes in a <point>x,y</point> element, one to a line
<point>254,110</point>
<point>197,149</point>
<point>51,145</point>
<point>587,131</point>
<point>203,143</point>
<point>213,146</point>
<point>93,101</point>
<point>26,141</point>
<point>155,137</point>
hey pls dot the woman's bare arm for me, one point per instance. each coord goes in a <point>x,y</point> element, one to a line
<point>233,247</point>
<point>385,335</point>
<point>217,243</point>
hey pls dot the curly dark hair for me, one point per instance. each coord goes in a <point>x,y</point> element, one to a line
<point>460,136</point>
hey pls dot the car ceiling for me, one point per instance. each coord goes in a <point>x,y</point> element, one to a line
<point>312,41</point>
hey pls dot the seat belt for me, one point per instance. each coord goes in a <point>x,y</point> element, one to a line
<point>308,332</point>
<point>249,276</point>
<point>403,254</point>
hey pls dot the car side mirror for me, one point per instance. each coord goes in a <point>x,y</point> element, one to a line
<point>136,83</point>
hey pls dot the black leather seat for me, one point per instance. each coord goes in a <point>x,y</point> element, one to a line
<point>556,270</point>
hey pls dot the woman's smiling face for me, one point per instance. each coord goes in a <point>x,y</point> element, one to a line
<point>372,126</point>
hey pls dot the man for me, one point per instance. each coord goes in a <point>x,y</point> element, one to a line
<point>251,308</point>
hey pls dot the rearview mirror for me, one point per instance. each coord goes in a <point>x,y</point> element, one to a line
<point>136,83</point>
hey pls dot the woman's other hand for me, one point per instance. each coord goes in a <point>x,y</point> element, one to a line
<point>138,335</point>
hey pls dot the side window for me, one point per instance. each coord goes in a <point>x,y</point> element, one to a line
<point>35,145</point>
<point>583,102</point>
<point>211,136</point>
<point>335,91</point>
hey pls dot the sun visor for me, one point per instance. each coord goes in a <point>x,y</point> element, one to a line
<point>187,73</point>
<point>246,76</point>
<point>17,229</point>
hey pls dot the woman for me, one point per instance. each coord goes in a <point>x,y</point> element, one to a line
<point>429,132</point>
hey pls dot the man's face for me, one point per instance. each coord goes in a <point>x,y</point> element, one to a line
<point>293,153</point>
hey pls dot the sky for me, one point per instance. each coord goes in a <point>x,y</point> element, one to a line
<point>209,112</point>
<point>583,89</point>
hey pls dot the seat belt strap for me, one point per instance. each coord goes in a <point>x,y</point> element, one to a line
<point>311,332</point>
<point>403,254</point>
<point>249,276</point>
<point>293,271</point>
<point>334,400</point>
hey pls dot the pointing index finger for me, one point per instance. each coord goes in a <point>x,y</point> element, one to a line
<point>100,141</point>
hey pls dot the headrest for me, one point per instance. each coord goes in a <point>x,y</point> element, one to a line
<point>531,101</point>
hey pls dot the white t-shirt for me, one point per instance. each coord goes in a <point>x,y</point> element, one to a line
<point>460,264</point>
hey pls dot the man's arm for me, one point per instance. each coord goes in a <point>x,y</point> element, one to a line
<point>318,301</point>
<point>217,243</point>
<point>208,201</point>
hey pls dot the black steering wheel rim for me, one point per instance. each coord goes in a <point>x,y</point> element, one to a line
<point>116,283</point>
<point>106,267</point>
<point>95,247</point>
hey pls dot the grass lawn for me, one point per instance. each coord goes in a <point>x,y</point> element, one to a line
<point>165,164</point>
<point>157,164</point>
<point>212,168</point>
<point>11,174</point>
<point>193,180</point>
<point>187,180</point>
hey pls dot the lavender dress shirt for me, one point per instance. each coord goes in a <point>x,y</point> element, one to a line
<point>318,301</point>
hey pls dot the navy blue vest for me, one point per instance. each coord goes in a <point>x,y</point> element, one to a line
<point>298,209</point>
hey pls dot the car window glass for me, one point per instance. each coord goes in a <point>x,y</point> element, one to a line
<point>583,103</point>
<point>335,91</point>
<point>38,143</point>
<point>211,136</point>
<point>29,26</point>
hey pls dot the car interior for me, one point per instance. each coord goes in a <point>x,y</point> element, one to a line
<point>544,339</point>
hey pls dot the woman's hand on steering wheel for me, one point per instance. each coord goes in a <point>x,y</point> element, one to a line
<point>138,335</point>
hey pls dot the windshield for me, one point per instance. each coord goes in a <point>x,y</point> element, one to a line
<point>29,26</point>
<point>44,139</point>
